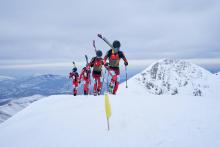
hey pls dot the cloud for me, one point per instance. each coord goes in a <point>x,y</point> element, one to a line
<point>54,29</point>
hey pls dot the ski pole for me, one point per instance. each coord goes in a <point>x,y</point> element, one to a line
<point>103,80</point>
<point>107,82</point>
<point>126,76</point>
<point>87,60</point>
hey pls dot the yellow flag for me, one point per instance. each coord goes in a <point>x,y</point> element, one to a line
<point>107,107</point>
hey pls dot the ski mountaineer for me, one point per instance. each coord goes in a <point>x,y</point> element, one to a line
<point>96,63</point>
<point>85,75</point>
<point>75,77</point>
<point>114,55</point>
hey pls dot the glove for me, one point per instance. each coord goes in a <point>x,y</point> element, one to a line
<point>79,81</point>
<point>126,63</point>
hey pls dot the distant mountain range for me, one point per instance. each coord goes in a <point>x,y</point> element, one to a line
<point>17,93</point>
<point>3,78</point>
<point>44,85</point>
<point>41,85</point>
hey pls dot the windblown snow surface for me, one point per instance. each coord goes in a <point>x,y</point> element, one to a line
<point>138,119</point>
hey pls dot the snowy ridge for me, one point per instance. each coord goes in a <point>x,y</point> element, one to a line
<point>170,76</point>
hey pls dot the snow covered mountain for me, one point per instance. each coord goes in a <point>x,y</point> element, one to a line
<point>28,86</point>
<point>169,76</point>
<point>138,119</point>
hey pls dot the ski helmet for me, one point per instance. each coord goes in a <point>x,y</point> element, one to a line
<point>74,69</point>
<point>116,44</point>
<point>99,53</point>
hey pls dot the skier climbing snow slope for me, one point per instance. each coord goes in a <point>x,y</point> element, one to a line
<point>138,119</point>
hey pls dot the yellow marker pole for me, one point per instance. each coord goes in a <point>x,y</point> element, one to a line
<point>107,110</point>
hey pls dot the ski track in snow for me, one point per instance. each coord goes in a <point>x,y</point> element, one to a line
<point>138,119</point>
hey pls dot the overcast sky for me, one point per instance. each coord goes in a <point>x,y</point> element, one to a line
<point>147,29</point>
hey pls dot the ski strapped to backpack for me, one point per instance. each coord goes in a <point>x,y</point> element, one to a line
<point>87,60</point>
<point>126,76</point>
<point>103,79</point>
<point>74,64</point>
<point>97,66</point>
<point>106,41</point>
<point>94,45</point>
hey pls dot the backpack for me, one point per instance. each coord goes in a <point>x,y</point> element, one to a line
<point>114,59</point>
<point>87,73</point>
<point>97,65</point>
<point>74,76</point>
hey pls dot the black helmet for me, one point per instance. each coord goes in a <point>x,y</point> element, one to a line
<point>74,69</point>
<point>99,53</point>
<point>116,44</point>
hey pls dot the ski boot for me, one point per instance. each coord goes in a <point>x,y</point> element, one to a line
<point>98,91</point>
<point>85,92</point>
<point>74,92</point>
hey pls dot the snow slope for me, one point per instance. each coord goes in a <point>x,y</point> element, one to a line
<point>138,119</point>
<point>13,106</point>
